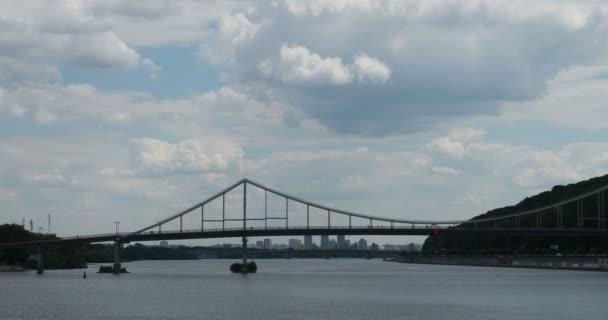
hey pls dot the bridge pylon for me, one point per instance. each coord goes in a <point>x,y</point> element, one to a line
<point>244,224</point>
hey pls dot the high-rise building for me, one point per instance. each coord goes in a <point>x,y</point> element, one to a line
<point>362,244</point>
<point>307,242</point>
<point>267,244</point>
<point>341,244</point>
<point>324,241</point>
<point>295,244</point>
<point>259,244</point>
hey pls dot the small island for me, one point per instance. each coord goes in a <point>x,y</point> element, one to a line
<point>110,269</point>
<point>250,267</point>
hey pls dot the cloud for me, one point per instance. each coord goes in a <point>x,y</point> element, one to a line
<point>317,7</point>
<point>449,146</point>
<point>152,68</point>
<point>36,39</point>
<point>455,143</point>
<point>574,99</point>
<point>415,65</point>
<point>53,178</point>
<point>146,10</point>
<point>298,65</point>
<point>446,171</point>
<point>45,116</point>
<point>233,31</point>
<point>6,196</point>
<point>187,155</point>
<point>370,69</point>
<point>102,50</point>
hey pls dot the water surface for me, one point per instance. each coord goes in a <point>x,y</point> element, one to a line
<point>305,289</point>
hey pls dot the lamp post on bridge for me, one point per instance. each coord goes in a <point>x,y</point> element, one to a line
<point>117,225</point>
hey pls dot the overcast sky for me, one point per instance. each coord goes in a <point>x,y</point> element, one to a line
<point>434,109</point>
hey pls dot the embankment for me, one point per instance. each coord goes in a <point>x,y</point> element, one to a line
<point>588,263</point>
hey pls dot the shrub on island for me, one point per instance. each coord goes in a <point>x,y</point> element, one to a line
<point>110,269</point>
<point>250,267</point>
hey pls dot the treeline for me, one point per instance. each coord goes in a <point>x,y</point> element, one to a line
<point>78,255</point>
<point>492,244</point>
<point>59,257</point>
<point>99,253</point>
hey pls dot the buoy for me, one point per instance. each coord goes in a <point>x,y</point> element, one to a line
<point>84,275</point>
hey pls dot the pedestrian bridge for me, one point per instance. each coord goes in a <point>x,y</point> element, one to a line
<point>293,218</point>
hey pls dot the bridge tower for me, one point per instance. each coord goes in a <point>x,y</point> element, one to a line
<point>244,224</point>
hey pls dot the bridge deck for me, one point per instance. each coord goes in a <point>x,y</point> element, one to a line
<point>301,231</point>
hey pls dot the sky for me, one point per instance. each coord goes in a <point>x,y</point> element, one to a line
<point>438,109</point>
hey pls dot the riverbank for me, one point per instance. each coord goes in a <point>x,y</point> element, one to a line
<point>11,268</point>
<point>586,263</point>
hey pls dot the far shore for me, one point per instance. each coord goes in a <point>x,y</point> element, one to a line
<point>580,263</point>
<point>11,268</point>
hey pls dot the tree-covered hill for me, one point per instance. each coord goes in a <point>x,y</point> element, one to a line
<point>56,257</point>
<point>474,244</point>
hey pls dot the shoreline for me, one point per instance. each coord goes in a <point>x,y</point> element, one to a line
<point>577,263</point>
<point>12,268</point>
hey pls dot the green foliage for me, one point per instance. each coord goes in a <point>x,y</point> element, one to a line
<point>14,233</point>
<point>250,267</point>
<point>110,269</point>
<point>492,244</point>
<point>100,253</point>
<point>236,267</point>
<point>55,257</point>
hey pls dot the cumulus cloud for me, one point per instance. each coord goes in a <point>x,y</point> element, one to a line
<point>103,50</point>
<point>455,144</point>
<point>233,32</point>
<point>187,155</point>
<point>317,7</point>
<point>297,64</point>
<point>449,146</point>
<point>575,99</point>
<point>370,69</point>
<point>36,39</point>
<point>404,66</point>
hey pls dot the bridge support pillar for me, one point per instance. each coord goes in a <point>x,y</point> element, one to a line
<point>40,266</point>
<point>244,250</point>
<point>117,265</point>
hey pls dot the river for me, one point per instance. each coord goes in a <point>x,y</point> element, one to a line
<point>305,289</point>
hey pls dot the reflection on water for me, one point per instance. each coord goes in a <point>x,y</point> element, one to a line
<point>304,289</point>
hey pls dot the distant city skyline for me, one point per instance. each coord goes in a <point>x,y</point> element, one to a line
<point>297,243</point>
